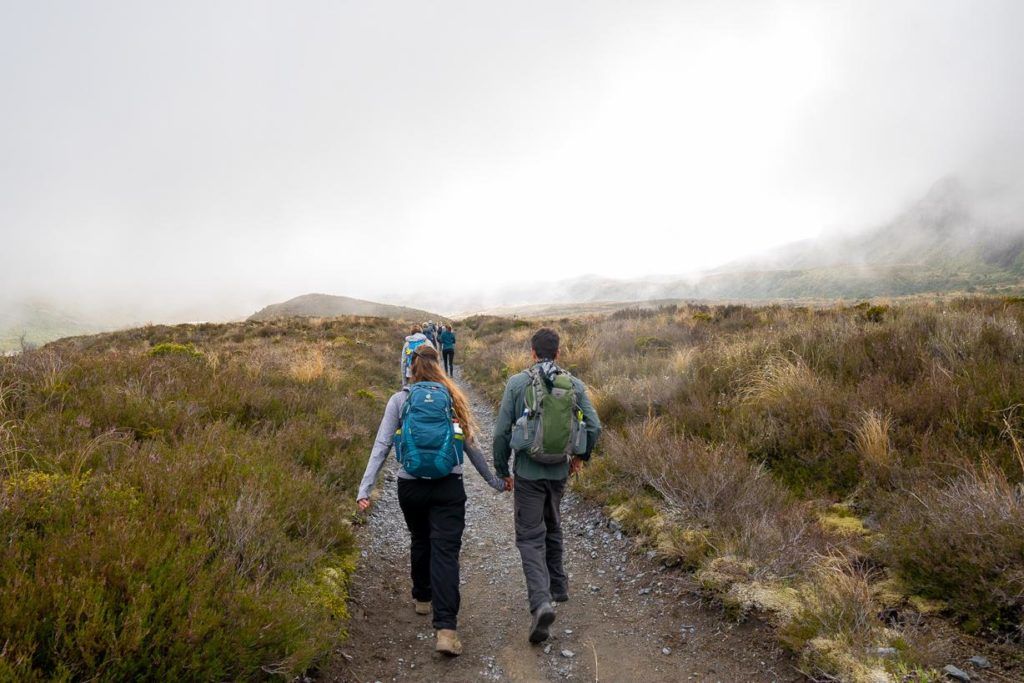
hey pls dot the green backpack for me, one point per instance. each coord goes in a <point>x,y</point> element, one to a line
<point>551,429</point>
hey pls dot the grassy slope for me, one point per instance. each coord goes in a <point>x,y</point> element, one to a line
<point>888,435</point>
<point>326,305</point>
<point>176,501</point>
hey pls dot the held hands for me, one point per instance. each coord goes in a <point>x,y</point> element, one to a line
<point>502,484</point>
<point>364,504</point>
<point>575,465</point>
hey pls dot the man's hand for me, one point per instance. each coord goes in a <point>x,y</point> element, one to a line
<point>575,465</point>
<point>509,483</point>
<point>364,504</point>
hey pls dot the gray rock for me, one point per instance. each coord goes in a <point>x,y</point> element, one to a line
<point>980,662</point>
<point>666,650</point>
<point>956,674</point>
<point>568,654</point>
<point>885,651</point>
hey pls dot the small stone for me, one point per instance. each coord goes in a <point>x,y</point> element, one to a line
<point>568,654</point>
<point>568,631</point>
<point>956,674</point>
<point>666,650</point>
<point>885,651</point>
<point>547,649</point>
<point>644,591</point>
<point>594,589</point>
<point>980,662</point>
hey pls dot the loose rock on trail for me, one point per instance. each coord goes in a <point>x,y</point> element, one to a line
<point>628,618</point>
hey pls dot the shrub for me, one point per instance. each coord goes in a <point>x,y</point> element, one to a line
<point>168,519</point>
<point>174,349</point>
<point>962,541</point>
<point>716,487</point>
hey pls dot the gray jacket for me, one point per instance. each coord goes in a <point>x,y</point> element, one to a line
<point>385,440</point>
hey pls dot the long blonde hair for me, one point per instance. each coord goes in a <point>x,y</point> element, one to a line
<point>425,368</point>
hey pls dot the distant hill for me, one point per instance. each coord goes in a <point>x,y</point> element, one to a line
<point>943,243</point>
<point>36,323</point>
<point>329,306</point>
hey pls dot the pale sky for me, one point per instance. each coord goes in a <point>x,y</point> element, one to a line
<point>212,157</point>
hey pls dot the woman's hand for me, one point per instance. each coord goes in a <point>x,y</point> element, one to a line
<point>575,465</point>
<point>364,504</point>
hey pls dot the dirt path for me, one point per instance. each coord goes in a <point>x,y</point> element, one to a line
<point>628,619</point>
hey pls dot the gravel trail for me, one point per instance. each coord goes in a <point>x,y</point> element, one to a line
<point>628,618</point>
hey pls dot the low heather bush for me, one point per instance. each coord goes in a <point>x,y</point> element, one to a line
<point>175,501</point>
<point>734,423</point>
<point>962,541</point>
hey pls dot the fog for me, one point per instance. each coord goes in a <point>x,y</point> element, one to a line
<point>198,160</point>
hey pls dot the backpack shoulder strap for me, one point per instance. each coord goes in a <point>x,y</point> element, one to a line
<point>535,389</point>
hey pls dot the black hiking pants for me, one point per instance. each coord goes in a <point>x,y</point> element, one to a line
<point>539,537</point>
<point>435,512</point>
<point>449,361</point>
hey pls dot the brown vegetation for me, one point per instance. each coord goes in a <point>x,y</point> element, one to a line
<point>764,443</point>
<point>176,501</point>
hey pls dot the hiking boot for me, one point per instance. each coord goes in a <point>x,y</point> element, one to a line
<point>448,642</point>
<point>421,607</point>
<point>543,617</point>
<point>560,597</point>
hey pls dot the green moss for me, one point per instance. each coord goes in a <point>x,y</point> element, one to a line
<point>174,349</point>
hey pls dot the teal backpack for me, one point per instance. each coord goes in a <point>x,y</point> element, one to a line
<point>428,443</point>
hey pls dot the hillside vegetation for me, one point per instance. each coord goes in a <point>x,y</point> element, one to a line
<point>949,241</point>
<point>176,501</point>
<point>824,466</point>
<point>329,306</point>
<point>34,323</point>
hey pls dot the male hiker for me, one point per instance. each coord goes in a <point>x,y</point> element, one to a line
<point>548,421</point>
<point>415,338</point>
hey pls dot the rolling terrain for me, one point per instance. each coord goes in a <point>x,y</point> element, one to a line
<point>944,243</point>
<point>330,306</point>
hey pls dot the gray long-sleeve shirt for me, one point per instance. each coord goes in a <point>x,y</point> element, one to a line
<point>385,440</point>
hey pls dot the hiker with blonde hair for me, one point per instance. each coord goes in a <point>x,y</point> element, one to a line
<point>430,424</point>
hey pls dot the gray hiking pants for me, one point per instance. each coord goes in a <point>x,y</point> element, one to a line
<point>539,537</point>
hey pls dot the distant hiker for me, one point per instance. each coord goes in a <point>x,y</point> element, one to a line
<point>548,421</point>
<point>448,349</point>
<point>412,342</point>
<point>430,423</point>
<point>430,330</point>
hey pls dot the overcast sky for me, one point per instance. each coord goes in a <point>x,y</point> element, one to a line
<point>220,155</point>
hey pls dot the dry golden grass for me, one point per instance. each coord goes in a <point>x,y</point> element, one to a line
<point>874,445</point>
<point>781,379</point>
<point>307,364</point>
<point>743,424</point>
<point>187,493</point>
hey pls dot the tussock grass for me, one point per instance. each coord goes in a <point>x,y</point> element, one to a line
<point>176,501</point>
<point>732,429</point>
